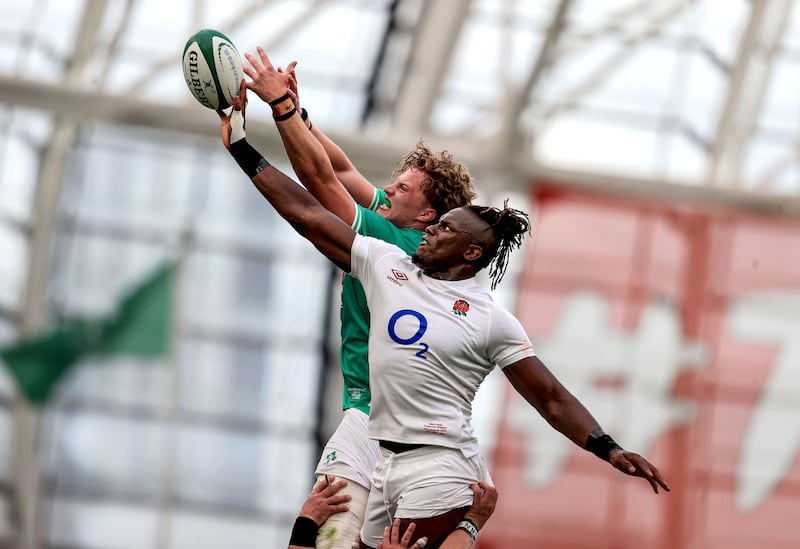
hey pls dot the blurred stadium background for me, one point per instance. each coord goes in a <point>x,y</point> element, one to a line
<point>656,144</point>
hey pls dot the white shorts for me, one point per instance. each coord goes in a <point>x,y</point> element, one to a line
<point>422,483</point>
<point>349,454</point>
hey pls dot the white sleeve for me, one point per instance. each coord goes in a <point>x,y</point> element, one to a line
<point>367,254</point>
<point>508,343</point>
<point>359,257</point>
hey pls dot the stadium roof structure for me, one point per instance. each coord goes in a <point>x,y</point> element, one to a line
<point>695,94</point>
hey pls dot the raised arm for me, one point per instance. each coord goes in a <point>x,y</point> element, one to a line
<point>534,381</point>
<point>308,155</point>
<point>356,184</point>
<point>294,203</point>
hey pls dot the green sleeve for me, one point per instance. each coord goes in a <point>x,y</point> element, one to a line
<point>378,200</point>
<point>368,223</point>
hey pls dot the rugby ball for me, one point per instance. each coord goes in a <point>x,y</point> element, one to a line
<point>212,68</point>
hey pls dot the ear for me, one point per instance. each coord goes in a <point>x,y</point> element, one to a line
<point>473,253</point>
<point>427,216</point>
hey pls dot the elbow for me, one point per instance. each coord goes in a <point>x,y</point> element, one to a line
<point>312,178</point>
<point>554,409</point>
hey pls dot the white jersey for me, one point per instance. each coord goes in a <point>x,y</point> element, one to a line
<point>431,344</point>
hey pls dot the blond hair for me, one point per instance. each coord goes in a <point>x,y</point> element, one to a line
<point>449,183</point>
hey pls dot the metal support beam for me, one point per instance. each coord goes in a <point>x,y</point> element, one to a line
<point>604,70</point>
<point>26,419</point>
<point>511,136</point>
<point>749,79</point>
<point>372,152</point>
<point>436,35</point>
<point>288,28</point>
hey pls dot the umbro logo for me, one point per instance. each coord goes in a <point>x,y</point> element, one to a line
<point>397,276</point>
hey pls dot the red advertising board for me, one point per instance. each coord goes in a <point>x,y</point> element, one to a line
<point>678,325</point>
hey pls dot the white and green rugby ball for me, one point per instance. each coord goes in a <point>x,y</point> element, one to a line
<point>212,68</point>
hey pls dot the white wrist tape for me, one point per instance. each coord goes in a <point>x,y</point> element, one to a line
<point>237,126</point>
<point>469,527</point>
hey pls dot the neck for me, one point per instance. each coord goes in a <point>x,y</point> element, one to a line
<point>454,274</point>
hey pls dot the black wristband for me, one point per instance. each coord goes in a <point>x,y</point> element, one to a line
<point>304,116</point>
<point>285,116</point>
<point>304,532</point>
<point>281,99</point>
<point>249,159</point>
<point>600,444</point>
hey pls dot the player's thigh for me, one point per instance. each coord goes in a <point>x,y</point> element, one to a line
<point>341,529</point>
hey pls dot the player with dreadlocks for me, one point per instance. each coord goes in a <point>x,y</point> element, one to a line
<point>508,226</point>
<point>434,336</point>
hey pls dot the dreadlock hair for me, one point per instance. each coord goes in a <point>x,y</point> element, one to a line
<point>449,183</point>
<point>508,227</point>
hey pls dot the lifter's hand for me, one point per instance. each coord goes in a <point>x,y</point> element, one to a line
<point>393,540</point>
<point>635,465</point>
<point>268,83</point>
<point>323,502</point>
<point>232,126</point>
<point>483,502</point>
<point>293,93</point>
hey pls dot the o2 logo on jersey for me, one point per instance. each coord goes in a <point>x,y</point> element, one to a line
<point>423,327</point>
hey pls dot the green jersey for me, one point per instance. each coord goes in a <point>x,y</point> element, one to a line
<point>355,314</point>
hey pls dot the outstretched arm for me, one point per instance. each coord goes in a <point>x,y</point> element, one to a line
<point>534,381</point>
<point>310,159</point>
<point>356,184</point>
<point>294,203</point>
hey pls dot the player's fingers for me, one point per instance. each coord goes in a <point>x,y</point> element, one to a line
<point>408,533</point>
<point>264,59</point>
<point>656,479</point>
<point>342,498</point>
<point>248,71</point>
<point>395,531</point>
<point>624,464</point>
<point>331,489</point>
<point>253,62</point>
<point>647,470</point>
<point>660,480</point>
